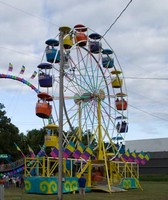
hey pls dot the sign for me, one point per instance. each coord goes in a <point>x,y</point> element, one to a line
<point>2,156</point>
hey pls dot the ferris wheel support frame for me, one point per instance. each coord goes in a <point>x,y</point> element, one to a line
<point>61,85</point>
<point>100,142</point>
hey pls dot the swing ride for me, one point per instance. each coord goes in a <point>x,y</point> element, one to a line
<point>94,116</point>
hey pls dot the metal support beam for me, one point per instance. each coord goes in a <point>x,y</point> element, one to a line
<point>60,158</point>
<point>63,30</point>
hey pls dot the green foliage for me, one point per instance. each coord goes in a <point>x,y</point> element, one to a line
<point>35,139</point>
<point>9,134</point>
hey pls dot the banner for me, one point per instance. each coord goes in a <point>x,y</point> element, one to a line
<point>69,149</point>
<point>33,75</point>
<point>32,154</point>
<point>78,152</point>
<point>87,153</point>
<point>10,69</point>
<point>17,147</point>
<point>22,70</point>
<point>54,153</point>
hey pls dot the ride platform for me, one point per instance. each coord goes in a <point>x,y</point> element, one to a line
<point>105,188</point>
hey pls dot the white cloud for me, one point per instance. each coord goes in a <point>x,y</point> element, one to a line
<point>139,38</point>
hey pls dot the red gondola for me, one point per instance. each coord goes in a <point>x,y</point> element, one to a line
<point>43,108</point>
<point>80,36</point>
<point>121,104</point>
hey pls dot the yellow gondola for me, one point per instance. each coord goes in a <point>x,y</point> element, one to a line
<point>68,42</point>
<point>52,126</point>
<point>51,140</point>
<point>117,82</point>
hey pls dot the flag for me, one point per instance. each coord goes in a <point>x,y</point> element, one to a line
<point>22,70</point>
<point>78,152</point>
<point>69,149</point>
<point>17,147</point>
<point>33,75</point>
<point>140,157</point>
<point>54,153</point>
<point>10,69</point>
<point>87,153</point>
<point>145,159</point>
<point>132,157</point>
<point>147,156</point>
<point>32,154</point>
<point>126,155</point>
<point>43,149</point>
<point>42,152</point>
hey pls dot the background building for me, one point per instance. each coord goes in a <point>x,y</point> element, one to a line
<point>158,150</point>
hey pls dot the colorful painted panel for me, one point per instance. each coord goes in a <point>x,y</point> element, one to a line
<point>129,183</point>
<point>49,185</point>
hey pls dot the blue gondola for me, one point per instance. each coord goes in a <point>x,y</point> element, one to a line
<point>107,62</point>
<point>122,128</point>
<point>107,51</point>
<point>45,79</point>
<point>52,42</point>
<point>52,55</point>
<point>95,46</point>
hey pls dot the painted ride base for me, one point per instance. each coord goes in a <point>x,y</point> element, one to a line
<point>129,183</point>
<point>49,185</point>
<point>124,185</point>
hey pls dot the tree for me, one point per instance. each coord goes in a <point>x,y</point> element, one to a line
<point>35,138</point>
<point>9,134</point>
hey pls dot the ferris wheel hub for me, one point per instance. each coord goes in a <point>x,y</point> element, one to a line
<point>88,96</point>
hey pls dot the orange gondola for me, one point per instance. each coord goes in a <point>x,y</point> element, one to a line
<point>80,37</point>
<point>43,108</point>
<point>44,96</point>
<point>80,28</point>
<point>121,104</point>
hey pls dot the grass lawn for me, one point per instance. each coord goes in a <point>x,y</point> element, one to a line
<point>152,191</point>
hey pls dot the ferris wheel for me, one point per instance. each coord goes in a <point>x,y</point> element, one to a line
<point>95,97</point>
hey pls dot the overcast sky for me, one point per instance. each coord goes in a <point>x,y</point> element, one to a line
<point>139,39</point>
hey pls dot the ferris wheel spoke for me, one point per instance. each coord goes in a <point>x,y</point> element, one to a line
<point>73,87</point>
<point>90,115</point>
<point>85,68</point>
<point>80,84</point>
<point>81,79</point>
